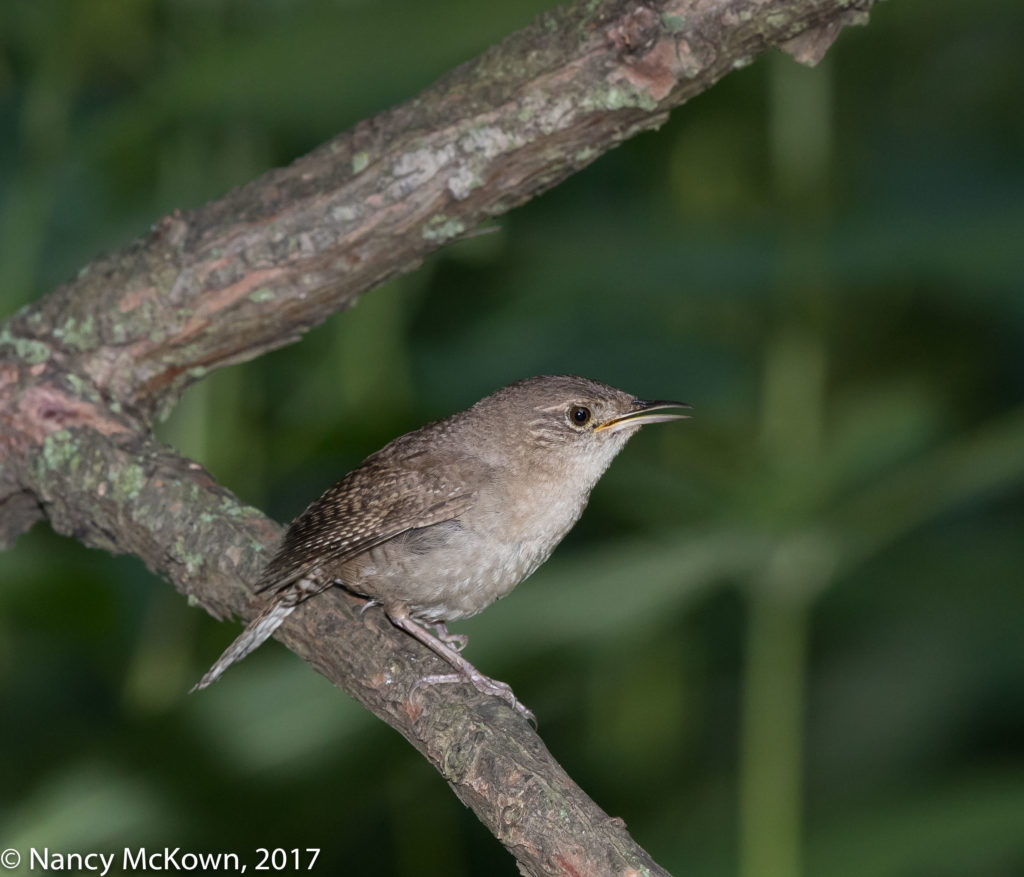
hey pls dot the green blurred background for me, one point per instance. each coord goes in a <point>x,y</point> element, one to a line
<point>786,638</point>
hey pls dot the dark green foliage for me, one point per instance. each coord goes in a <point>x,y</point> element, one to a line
<point>789,629</point>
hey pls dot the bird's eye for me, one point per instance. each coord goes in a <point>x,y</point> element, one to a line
<point>579,416</point>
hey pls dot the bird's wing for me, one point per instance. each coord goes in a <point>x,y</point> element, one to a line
<point>370,505</point>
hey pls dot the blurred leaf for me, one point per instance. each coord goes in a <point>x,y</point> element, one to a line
<point>275,718</point>
<point>968,825</point>
<point>88,806</point>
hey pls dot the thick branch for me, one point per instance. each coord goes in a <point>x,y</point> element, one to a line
<point>132,494</point>
<point>83,370</point>
<point>254,270</point>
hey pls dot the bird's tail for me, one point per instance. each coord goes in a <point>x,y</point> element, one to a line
<point>256,632</point>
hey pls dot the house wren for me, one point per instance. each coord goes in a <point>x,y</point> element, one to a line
<point>445,520</point>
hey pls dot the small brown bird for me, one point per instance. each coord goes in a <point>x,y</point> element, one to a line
<point>445,520</point>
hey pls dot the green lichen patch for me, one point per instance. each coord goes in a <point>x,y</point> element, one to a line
<point>60,451</point>
<point>261,294</point>
<point>193,561</point>
<point>78,335</point>
<point>442,228</point>
<point>82,388</point>
<point>360,161</point>
<point>673,23</point>
<point>129,481</point>
<point>618,97</point>
<point>27,349</point>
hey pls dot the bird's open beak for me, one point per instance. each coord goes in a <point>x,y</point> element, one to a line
<point>644,412</point>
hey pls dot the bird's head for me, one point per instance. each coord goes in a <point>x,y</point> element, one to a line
<point>568,423</point>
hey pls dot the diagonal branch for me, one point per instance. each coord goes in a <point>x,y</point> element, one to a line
<point>256,269</point>
<point>84,370</point>
<point>142,497</point>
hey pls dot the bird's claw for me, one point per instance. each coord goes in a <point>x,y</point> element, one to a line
<point>483,684</point>
<point>457,641</point>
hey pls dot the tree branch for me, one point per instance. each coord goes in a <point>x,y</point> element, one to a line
<point>83,371</point>
<point>252,271</point>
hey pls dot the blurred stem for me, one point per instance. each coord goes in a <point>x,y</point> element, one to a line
<point>792,437</point>
<point>771,739</point>
<point>792,416</point>
<point>800,128</point>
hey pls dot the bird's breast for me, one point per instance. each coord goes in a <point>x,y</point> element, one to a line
<point>457,568</point>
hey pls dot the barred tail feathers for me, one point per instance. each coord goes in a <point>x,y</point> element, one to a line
<point>256,632</point>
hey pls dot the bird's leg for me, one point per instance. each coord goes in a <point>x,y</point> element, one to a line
<point>467,672</point>
<point>457,641</point>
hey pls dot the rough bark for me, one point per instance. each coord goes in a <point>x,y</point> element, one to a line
<point>84,370</point>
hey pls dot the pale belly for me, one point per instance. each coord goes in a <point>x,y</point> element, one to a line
<point>448,571</point>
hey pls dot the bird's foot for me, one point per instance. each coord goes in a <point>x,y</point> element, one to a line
<point>485,685</point>
<point>457,641</point>
<point>466,671</point>
<point>369,604</point>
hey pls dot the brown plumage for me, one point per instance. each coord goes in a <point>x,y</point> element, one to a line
<point>445,520</point>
